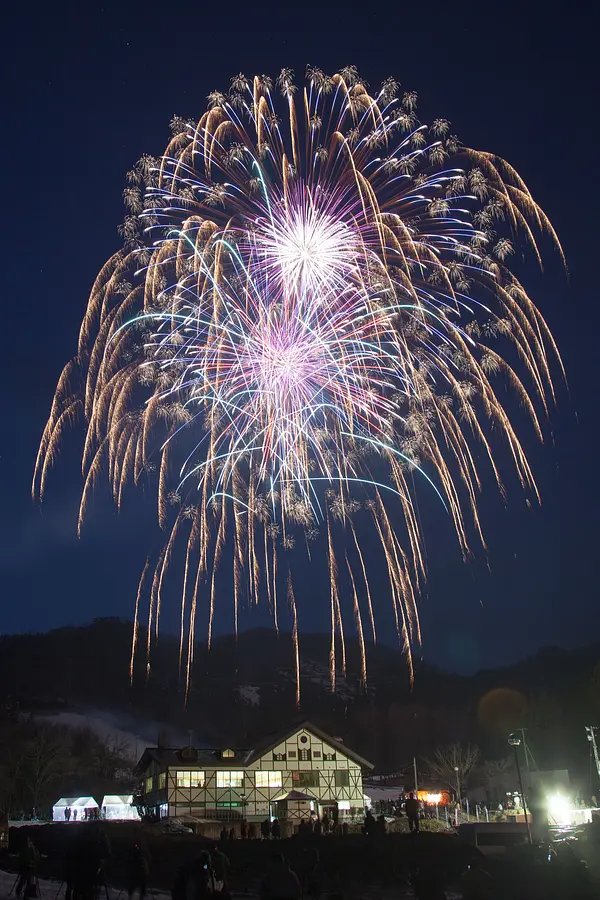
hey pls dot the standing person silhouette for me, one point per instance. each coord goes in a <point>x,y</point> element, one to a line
<point>411,808</point>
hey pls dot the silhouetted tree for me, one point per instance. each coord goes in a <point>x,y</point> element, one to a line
<point>46,759</point>
<point>453,763</point>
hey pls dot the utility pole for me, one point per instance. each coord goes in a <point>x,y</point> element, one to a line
<point>415,771</point>
<point>457,770</point>
<point>515,741</point>
<point>590,731</point>
<point>527,755</point>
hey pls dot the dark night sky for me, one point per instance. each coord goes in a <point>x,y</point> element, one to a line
<point>88,88</point>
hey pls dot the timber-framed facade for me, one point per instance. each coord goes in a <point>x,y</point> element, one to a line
<point>301,773</point>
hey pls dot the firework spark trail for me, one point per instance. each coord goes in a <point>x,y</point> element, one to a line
<point>292,602</point>
<point>299,329</point>
<point>136,621</point>
<point>359,626</point>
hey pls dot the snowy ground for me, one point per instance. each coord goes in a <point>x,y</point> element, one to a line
<point>118,729</point>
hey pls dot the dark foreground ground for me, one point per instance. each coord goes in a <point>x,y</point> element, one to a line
<point>352,867</point>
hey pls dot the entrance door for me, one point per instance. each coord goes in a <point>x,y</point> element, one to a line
<point>331,811</point>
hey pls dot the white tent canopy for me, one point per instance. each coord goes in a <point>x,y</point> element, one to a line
<point>77,805</point>
<point>118,806</point>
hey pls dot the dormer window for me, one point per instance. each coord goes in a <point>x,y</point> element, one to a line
<point>228,753</point>
<point>188,754</point>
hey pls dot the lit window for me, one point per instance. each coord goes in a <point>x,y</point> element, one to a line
<point>148,784</point>
<point>190,779</point>
<point>342,777</point>
<point>227,754</point>
<point>343,805</point>
<point>304,755</point>
<point>268,780</point>
<point>162,780</point>
<point>230,779</point>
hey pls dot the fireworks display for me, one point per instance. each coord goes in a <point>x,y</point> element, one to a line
<point>305,327</point>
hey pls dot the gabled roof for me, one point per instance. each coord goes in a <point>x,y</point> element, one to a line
<point>294,795</point>
<point>187,757</point>
<point>79,802</point>
<point>338,746</point>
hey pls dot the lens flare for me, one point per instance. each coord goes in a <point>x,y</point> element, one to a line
<point>305,328</point>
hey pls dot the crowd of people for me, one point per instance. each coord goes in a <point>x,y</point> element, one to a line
<point>412,810</point>
<point>87,815</point>
<point>270,829</point>
<point>206,874</point>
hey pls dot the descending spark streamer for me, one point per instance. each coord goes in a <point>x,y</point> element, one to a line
<point>297,332</point>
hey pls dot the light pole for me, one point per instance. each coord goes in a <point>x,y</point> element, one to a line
<point>515,741</point>
<point>458,804</point>
<point>590,731</point>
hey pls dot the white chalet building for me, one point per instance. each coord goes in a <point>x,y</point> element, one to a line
<point>294,775</point>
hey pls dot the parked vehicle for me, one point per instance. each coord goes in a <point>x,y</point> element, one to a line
<point>493,839</point>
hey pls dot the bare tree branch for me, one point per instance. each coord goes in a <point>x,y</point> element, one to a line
<point>453,760</point>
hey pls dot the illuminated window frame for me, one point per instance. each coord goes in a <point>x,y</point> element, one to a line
<point>230,779</point>
<point>269,779</point>
<point>190,779</point>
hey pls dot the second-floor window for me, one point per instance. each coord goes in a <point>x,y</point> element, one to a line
<point>190,779</point>
<point>230,779</point>
<point>304,755</point>
<point>305,779</point>
<point>268,780</point>
<point>162,780</point>
<point>148,784</point>
<point>342,777</point>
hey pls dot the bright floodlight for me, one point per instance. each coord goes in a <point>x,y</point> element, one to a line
<point>514,740</point>
<point>559,807</point>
